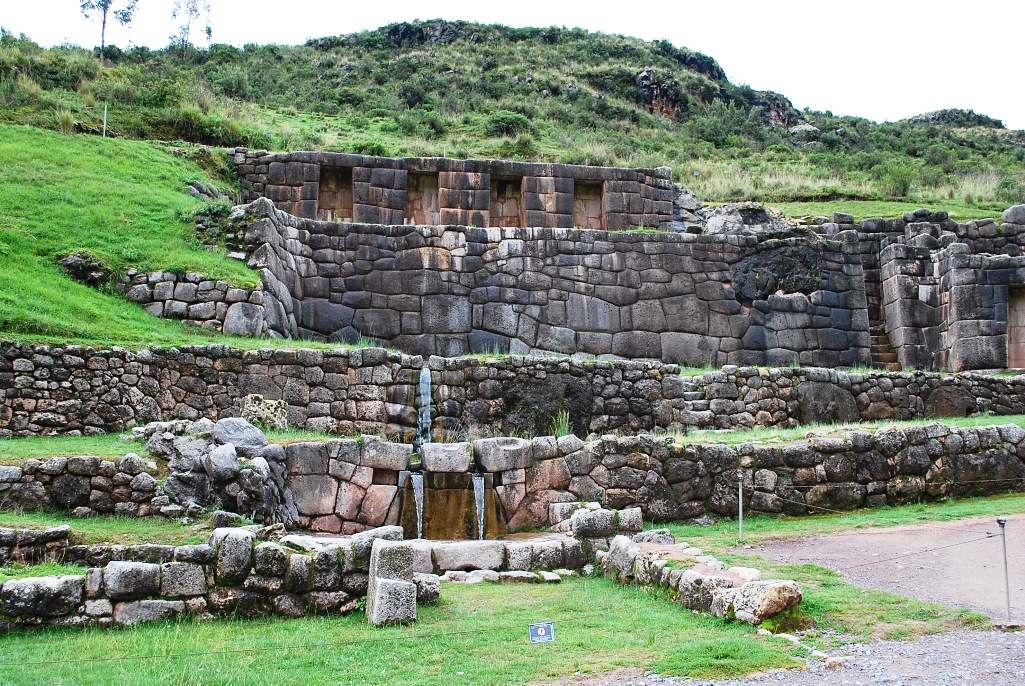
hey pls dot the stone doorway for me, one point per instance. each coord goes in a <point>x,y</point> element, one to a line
<point>334,202</point>
<point>422,206</point>
<point>506,202</point>
<point>1016,328</point>
<point>588,210</point>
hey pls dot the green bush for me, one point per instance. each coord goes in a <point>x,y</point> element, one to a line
<point>506,123</point>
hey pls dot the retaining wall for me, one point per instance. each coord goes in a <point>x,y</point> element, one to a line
<point>56,390</point>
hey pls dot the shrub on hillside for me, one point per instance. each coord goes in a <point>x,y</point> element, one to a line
<point>506,123</point>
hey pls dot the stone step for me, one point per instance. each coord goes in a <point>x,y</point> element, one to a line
<point>885,358</point>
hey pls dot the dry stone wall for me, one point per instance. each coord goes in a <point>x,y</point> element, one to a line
<point>124,487</point>
<point>234,574</point>
<point>195,299</point>
<point>47,390</point>
<point>700,300</point>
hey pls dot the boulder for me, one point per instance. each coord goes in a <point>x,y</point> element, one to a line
<point>446,457</point>
<point>130,580</point>
<point>378,453</point>
<point>630,520</point>
<point>756,601</point>
<point>697,589</point>
<point>48,596</point>
<point>619,563</point>
<point>240,433</point>
<point>825,403</point>
<point>182,580</point>
<point>657,536</point>
<point>428,587</point>
<point>221,463</point>
<point>1014,215</point>
<point>243,319</point>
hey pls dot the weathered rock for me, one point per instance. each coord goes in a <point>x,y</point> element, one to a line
<point>394,602</point>
<point>240,433</point>
<point>130,580</point>
<point>502,454</point>
<point>593,523</point>
<point>50,596</point>
<point>234,557</point>
<point>756,601</point>
<point>182,580</point>
<point>134,612</point>
<point>221,463</point>
<point>619,563</point>
<point>658,536</point>
<point>428,587</point>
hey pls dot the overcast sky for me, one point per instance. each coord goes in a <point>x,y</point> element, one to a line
<point>884,60</point>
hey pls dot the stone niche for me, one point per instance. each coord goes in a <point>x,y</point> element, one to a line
<point>334,202</point>
<point>506,202</point>
<point>422,206</point>
<point>588,208</point>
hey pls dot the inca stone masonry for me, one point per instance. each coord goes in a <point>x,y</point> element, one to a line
<point>448,257</point>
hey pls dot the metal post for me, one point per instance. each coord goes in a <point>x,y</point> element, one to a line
<point>740,502</point>
<point>1002,521</point>
<point>104,120</point>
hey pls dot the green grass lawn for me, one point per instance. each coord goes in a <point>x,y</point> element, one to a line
<point>112,530</point>
<point>476,635</point>
<point>889,209</point>
<point>764,528</point>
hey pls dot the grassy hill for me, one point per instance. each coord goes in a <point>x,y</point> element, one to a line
<point>123,201</point>
<point>541,94</point>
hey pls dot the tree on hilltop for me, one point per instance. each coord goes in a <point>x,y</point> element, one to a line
<point>105,9</point>
<point>188,11</point>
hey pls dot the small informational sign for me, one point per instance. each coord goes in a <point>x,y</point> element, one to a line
<point>542,632</point>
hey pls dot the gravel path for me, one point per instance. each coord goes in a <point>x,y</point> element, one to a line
<point>957,563</point>
<point>961,658</point>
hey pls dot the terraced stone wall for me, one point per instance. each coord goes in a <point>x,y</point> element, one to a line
<point>678,297</point>
<point>47,390</point>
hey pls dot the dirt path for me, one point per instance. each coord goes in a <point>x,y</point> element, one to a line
<point>959,564</point>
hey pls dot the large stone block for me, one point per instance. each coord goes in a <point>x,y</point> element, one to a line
<point>446,457</point>
<point>464,555</point>
<point>756,601</point>
<point>239,433</point>
<point>394,602</point>
<point>314,495</point>
<point>502,454</point>
<point>49,596</point>
<point>137,611</point>
<point>234,557</point>
<point>182,580</point>
<point>129,580</point>
<point>378,453</point>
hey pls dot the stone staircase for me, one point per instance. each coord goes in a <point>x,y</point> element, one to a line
<point>883,354</point>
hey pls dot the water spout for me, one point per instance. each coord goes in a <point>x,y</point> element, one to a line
<point>423,424</point>
<point>418,494</point>
<point>478,495</point>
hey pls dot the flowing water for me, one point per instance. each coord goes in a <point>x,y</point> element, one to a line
<point>478,495</point>
<point>418,493</point>
<point>423,424</point>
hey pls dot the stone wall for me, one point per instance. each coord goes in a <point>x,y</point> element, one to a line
<point>197,300</point>
<point>374,189</point>
<point>701,300</point>
<point>31,545</point>
<point>124,487</point>
<point>57,390</point>
<point>234,575</point>
<point>351,485</point>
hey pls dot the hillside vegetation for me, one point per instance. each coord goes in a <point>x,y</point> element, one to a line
<point>551,94</point>
<point>122,201</point>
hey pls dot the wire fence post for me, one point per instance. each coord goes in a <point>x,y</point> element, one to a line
<point>740,503</point>
<point>1002,521</point>
<point>104,120</point>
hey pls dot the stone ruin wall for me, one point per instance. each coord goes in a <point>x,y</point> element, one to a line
<point>483,193</point>
<point>453,290</point>
<point>46,390</point>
